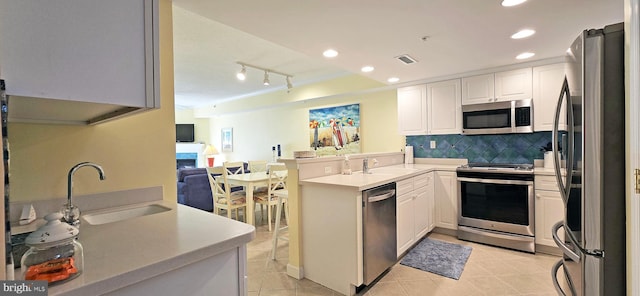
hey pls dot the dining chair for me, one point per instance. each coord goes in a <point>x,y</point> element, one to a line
<point>257,166</point>
<point>277,183</point>
<point>283,196</point>
<point>223,198</point>
<point>233,167</point>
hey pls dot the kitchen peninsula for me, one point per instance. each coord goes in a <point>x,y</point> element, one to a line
<point>180,251</point>
<point>331,211</point>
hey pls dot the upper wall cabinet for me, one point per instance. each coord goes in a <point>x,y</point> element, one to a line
<point>496,87</point>
<point>547,83</point>
<point>79,61</point>
<point>513,85</point>
<point>444,107</point>
<point>412,110</point>
<point>478,89</point>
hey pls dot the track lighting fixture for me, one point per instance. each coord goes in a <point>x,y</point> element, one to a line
<point>266,78</point>
<point>242,75</point>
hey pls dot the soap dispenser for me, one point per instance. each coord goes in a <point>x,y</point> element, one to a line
<point>346,166</point>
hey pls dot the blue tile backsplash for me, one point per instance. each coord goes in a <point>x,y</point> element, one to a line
<point>505,148</point>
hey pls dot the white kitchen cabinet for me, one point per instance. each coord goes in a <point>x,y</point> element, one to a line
<point>444,107</point>
<point>224,273</point>
<point>404,215</point>
<point>497,87</point>
<point>478,89</point>
<point>513,85</point>
<point>446,200</point>
<point>430,189</point>
<point>412,110</point>
<point>549,209</point>
<point>79,61</point>
<point>547,83</point>
<point>413,211</point>
<point>423,205</point>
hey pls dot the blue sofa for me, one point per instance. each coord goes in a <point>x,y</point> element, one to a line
<point>194,189</point>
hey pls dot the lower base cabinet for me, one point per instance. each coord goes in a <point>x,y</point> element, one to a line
<point>446,200</point>
<point>224,273</point>
<point>549,209</point>
<point>414,210</point>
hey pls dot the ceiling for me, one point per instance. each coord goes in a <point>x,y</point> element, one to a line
<point>289,36</point>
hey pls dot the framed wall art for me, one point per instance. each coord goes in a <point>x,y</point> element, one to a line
<point>335,130</point>
<point>227,139</point>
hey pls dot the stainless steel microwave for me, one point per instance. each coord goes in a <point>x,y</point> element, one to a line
<point>498,118</point>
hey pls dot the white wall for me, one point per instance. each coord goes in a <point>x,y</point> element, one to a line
<point>283,118</point>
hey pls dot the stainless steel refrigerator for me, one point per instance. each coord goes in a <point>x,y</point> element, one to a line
<point>593,187</point>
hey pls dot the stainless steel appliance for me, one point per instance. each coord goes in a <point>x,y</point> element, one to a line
<point>496,203</point>
<point>379,230</point>
<point>593,190</point>
<point>498,118</point>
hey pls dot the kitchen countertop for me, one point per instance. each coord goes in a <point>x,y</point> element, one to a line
<point>379,175</point>
<point>122,253</point>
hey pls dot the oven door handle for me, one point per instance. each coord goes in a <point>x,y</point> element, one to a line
<point>495,181</point>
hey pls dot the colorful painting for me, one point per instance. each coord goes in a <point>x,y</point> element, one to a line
<point>335,130</point>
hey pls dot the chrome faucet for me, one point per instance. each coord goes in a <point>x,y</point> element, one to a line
<point>365,166</point>
<point>71,213</point>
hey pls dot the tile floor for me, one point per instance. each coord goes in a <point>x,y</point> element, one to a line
<point>489,271</point>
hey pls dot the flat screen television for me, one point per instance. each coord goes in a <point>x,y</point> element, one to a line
<point>184,133</point>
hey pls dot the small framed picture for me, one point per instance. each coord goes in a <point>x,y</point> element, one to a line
<point>227,139</point>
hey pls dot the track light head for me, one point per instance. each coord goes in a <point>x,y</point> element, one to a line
<point>242,75</point>
<point>289,85</point>
<point>266,78</point>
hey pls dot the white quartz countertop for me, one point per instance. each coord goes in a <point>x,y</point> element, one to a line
<point>121,253</point>
<point>379,175</point>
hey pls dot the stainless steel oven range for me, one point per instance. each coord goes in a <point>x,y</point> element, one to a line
<point>496,205</point>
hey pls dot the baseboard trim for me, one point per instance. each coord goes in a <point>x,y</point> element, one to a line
<point>450,232</point>
<point>295,272</point>
<point>549,250</point>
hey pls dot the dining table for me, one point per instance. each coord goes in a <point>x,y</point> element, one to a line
<point>249,181</point>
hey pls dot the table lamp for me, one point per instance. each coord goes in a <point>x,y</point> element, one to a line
<point>209,152</point>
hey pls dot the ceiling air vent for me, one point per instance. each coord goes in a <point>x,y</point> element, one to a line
<point>405,58</point>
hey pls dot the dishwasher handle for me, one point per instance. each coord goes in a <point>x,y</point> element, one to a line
<point>385,195</point>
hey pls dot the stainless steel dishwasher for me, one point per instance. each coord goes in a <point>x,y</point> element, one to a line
<point>379,230</point>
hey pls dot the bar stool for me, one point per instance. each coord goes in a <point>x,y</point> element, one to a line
<point>282,195</point>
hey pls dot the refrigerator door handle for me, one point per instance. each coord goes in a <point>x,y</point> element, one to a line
<point>565,249</point>
<point>554,277</point>
<point>565,186</point>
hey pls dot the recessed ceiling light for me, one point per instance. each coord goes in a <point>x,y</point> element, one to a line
<point>525,55</point>
<point>367,69</point>
<point>523,34</point>
<point>393,79</point>
<point>509,3</point>
<point>330,53</point>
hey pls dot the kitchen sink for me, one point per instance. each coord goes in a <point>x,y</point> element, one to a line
<point>124,214</point>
